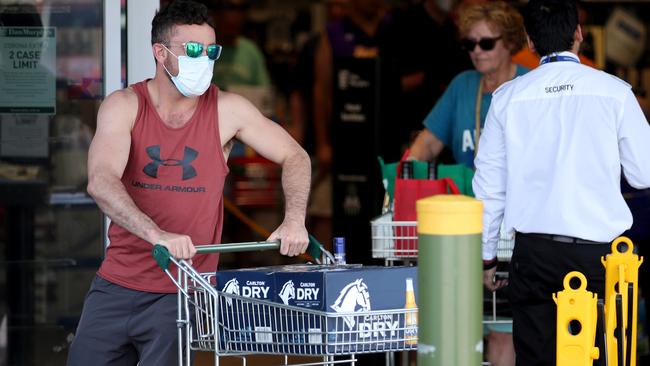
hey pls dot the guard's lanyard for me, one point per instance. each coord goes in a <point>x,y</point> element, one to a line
<point>557,58</point>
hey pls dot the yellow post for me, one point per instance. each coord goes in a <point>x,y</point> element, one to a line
<point>621,269</point>
<point>576,323</point>
<point>450,270</point>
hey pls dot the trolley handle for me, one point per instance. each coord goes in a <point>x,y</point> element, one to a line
<point>162,256</point>
<point>238,247</point>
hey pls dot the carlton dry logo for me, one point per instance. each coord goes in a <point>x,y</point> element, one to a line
<point>306,294</point>
<point>353,298</point>
<point>189,155</point>
<point>252,289</point>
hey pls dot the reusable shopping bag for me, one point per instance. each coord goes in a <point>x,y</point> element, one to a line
<point>460,174</point>
<point>407,191</point>
<point>389,172</point>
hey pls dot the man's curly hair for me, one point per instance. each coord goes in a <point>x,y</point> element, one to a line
<point>177,12</point>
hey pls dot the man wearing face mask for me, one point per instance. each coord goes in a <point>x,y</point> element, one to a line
<point>156,167</point>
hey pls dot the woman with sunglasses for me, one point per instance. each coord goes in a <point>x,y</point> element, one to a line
<point>491,33</point>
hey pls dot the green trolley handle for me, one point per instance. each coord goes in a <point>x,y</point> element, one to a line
<point>162,256</point>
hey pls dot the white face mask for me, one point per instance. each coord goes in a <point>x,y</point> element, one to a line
<point>194,74</point>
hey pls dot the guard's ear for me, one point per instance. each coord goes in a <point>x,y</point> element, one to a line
<point>577,40</point>
<point>577,36</point>
<point>531,45</point>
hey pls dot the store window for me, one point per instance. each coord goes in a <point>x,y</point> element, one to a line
<point>52,76</point>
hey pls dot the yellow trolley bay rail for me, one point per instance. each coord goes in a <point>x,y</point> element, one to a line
<point>218,322</point>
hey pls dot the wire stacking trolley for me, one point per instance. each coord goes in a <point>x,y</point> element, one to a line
<point>398,241</point>
<point>232,325</point>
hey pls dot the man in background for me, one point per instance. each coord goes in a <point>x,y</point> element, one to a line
<point>241,61</point>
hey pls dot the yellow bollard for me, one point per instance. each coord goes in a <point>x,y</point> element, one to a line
<point>576,323</point>
<point>621,269</point>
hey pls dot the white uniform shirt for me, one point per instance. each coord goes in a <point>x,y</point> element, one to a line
<point>551,152</point>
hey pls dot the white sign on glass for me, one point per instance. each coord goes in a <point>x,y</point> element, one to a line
<point>27,64</point>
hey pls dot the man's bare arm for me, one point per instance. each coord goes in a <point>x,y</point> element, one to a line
<point>239,118</point>
<point>107,159</point>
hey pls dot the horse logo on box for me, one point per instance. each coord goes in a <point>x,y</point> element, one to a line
<point>287,292</point>
<point>231,287</point>
<point>354,297</point>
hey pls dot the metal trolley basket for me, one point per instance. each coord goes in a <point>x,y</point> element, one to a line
<point>231,325</point>
<point>398,241</point>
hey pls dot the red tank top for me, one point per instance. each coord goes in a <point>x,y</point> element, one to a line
<point>176,177</point>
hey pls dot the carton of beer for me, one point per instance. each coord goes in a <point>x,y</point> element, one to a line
<point>355,301</point>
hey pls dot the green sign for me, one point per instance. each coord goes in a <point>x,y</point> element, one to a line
<point>27,70</point>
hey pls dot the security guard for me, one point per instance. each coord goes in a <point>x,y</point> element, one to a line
<point>550,163</point>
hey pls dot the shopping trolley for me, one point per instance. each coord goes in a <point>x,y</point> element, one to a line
<point>231,325</point>
<point>398,241</point>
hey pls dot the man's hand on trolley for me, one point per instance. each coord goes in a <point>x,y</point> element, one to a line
<point>179,246</point>
<point>293,238</point>
<point>491,281</point>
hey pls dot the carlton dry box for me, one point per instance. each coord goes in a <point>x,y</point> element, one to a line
<point>244,325</point>
<point>313,309</point>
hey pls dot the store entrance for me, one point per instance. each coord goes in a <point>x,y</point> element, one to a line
<point>53,76</point>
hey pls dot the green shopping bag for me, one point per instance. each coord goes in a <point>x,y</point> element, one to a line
<point>460,174</point>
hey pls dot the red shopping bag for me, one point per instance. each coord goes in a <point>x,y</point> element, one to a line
<point>407,192</point>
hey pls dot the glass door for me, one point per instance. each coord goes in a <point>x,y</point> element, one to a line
<point>57,60</point>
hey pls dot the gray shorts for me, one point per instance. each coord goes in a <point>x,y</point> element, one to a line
<point>120,326</point>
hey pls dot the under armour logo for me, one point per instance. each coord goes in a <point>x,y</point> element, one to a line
<point>189,155</point>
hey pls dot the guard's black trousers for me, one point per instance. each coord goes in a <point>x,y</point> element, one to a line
<point>537,270</point>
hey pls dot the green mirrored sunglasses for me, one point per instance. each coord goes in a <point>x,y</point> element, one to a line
<point>195,49</point>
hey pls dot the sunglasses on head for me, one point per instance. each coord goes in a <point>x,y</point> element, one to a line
<point>195,49</point>
<point>486,44</point>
